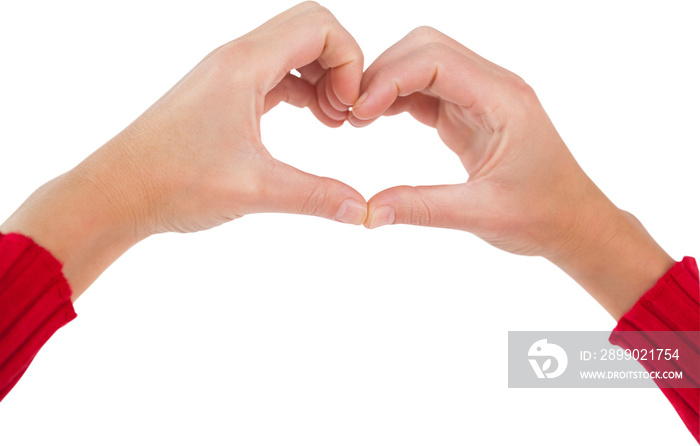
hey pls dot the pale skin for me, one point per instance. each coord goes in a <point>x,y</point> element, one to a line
<point>526,194</point>
<point>193,161</point>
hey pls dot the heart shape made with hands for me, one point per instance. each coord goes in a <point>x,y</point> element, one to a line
<point>521,175</point>
<point>441,84</point>
<point>407,77</point>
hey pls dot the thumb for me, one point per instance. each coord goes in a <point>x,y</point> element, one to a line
<point>290,190</point>
<point>444,206</point>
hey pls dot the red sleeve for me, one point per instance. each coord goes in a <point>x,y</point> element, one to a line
<point>34,303</point>
<point>673,304</point>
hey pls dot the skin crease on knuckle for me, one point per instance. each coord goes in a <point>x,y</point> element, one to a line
<point>415,210</point>
<point>425,216</point>
<point>317,201</point>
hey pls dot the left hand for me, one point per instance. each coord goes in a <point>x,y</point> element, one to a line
<point>197,156</point>
<point>195,159</point>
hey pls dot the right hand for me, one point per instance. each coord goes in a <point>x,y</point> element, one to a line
<point>526,193</point>
<point>524,185</point>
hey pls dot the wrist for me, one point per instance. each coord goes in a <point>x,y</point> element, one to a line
<point>80,217</point>
<point>612,256</point>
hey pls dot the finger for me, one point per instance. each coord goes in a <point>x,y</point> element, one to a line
<point>312,72</point>
<point>324,102</point>
<point>290,190</point>
<point>417,38</point>
<point>299,93</point>
<point>444,206</point>
<point>301,35</point>
<point>422,107</point>
<point>292,90</point>
<point>333,99</point>
<point>433,69</point>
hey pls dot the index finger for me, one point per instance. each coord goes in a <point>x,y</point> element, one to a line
<point>438,67</point>
<point>301,35</point>
<point>433,69</point>
<point>423,35</point>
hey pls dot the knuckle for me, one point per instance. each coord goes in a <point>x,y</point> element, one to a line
<point>425,33</point>
<point>222,59</point>
<point>226,59</point>
<point>432,48</point>
<point>318,10</point>
<point>317,201</point>
<point>310,5</point>
<point>522,87</point>
<point>419,213</point>
<point>522,92</point>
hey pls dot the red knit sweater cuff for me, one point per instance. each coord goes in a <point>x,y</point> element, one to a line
<point>673,304</point>
<point>34,303</point>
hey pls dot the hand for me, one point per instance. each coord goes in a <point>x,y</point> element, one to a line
<point>526,193</point>
<point>195,159</point>
<point>197,153</point>
<point>521,175</point>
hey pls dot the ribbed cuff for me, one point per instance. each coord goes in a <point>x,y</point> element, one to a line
<point>34,304</point>
<point>673,304</point>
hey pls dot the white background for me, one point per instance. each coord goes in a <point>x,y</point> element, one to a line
<point>281,329</point>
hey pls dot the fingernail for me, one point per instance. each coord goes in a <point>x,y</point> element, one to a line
<point>383,215</point>
<point>360,100</point>
<point>352,212</point>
